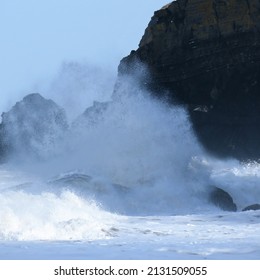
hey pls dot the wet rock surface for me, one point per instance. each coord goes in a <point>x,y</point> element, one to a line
<point>252,207</point>
<point>222,199</point>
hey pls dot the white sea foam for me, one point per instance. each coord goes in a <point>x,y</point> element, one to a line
<point>241,180</point>
<point>47,216</point>
<point>140,158</point>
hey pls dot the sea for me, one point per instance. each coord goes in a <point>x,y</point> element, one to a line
<point>134,184</point>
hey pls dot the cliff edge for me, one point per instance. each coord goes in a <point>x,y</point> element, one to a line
<point>205,54</point>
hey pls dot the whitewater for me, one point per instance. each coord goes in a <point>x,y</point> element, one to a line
<point>132,182</point>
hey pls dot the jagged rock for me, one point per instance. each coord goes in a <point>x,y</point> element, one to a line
<point>206,54</point>
<point>94,114</point>
<point>32,126</point>
<point>91,116</point>
<point>222,200</point>
<point>252,207</point>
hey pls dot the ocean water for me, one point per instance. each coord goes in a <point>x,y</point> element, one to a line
<point>132,184</point>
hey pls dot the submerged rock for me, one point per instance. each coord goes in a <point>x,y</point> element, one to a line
<point>252,207</point>
<point>86,184</point>
<point>71,179</point>
<point>223,200</point>
<point>205,54</point>
<point>32,126</point>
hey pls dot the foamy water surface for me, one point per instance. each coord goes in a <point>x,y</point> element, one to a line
<point>133,184</point>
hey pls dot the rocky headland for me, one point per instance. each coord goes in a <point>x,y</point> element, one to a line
<point>205,54</point>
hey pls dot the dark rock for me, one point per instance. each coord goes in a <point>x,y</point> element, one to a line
<point>205,54</point>
<point>222,200</point>
<point>32,126</point>
<point>252,207</point>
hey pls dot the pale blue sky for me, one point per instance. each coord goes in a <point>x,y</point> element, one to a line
<point>37,36</point>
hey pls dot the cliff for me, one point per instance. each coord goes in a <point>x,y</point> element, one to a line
<point>205,54</point>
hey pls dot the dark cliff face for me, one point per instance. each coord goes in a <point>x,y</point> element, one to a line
<point>206,54</point>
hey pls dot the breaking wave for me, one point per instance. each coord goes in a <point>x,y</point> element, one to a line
<point>134,155</point>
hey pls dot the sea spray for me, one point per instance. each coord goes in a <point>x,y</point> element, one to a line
<point>137,142</point>
<point>138,157</point>
<point>77,85</point>
<point>46,216</point>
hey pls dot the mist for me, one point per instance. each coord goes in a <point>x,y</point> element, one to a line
<point>110,140</point>
<point>128,139</point>
<point>39,37</point>
<point>77,85</point>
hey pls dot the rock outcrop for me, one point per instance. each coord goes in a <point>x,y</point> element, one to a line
<point>222,199</point>
<point>32,127</point>
<point>92,115</point>
<point>252,207</point>
<point>205,54</point>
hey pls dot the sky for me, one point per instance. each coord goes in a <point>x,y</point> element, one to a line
<point>41,38</point>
